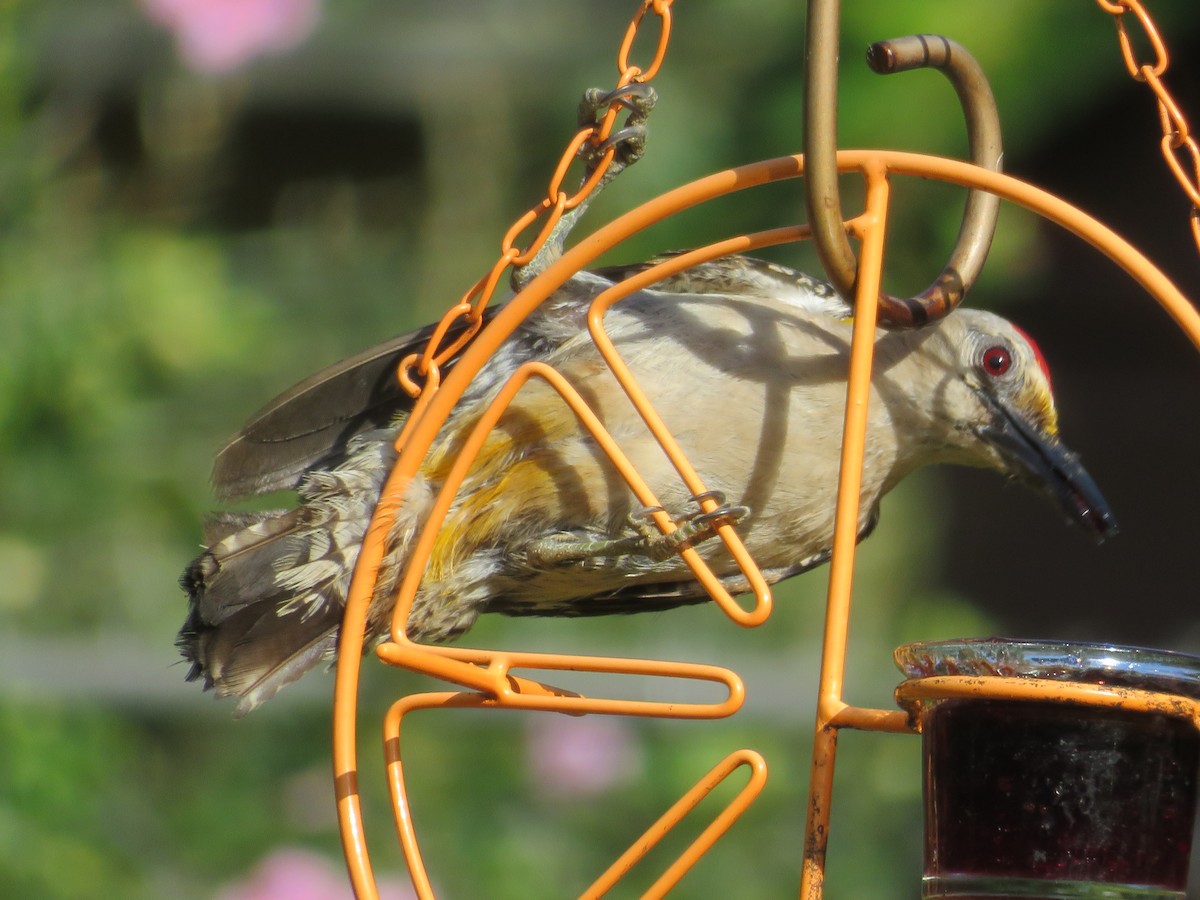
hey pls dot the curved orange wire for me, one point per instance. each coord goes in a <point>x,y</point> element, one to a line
<point>758,777</point>
<point>450,700</point>
<point>603,302</point>
<point>488,672</point>
<point>535,696</point>
<point>415,656</point>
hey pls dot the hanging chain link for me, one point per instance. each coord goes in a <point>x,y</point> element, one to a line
<point>466,316</point>
<point>1179,147</point>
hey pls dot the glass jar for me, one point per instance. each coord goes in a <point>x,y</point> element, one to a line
<point>1056,798</point>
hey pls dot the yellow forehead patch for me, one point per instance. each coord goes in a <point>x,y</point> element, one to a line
<point>1039,405</point>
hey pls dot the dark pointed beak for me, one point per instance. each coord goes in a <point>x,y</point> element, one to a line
<point>1041,460</point>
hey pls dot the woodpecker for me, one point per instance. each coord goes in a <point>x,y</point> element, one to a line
<point>745,360</point>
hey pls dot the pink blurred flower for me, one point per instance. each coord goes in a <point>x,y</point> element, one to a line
<point>570,756</point>
<point>216,36</point>
<point>290,873</point>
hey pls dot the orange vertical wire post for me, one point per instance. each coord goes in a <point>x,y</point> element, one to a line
<point>871,227</point>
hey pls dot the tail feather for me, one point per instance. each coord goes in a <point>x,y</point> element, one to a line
<point>251,628</point>
<point>242,556</point>
<point>256,652</point>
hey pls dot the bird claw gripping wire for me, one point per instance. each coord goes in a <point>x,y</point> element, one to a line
<point>610,155</point>
<point>630,140</point>
<point>647,540</point>
<point>693,528</point>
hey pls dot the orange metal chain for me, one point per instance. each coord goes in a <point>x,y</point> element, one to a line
<point>415,368</point>
<point>1176,136</point>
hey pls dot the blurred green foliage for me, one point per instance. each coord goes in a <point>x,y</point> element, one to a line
<point>139,324</point>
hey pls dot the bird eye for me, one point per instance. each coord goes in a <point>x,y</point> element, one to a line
<point>997,361</point>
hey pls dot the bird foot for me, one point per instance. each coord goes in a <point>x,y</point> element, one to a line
<point>630,138</point>
<point>646,541</point>
<point>629,142</point>
<point>693,528</point>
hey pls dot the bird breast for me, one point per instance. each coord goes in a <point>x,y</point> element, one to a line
<point>755,396</point>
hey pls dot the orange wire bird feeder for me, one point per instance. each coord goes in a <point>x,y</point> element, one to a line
<point>497,679</point>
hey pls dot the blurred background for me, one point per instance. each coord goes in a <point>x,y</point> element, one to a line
<point>203,201</point>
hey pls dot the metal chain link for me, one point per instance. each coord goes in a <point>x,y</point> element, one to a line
<point>1176,135</point>
<point>415,369</point>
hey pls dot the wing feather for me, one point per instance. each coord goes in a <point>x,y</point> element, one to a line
<point>313,421</point>
<point>742,276</point>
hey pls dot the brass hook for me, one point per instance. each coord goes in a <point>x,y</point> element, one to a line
<point>820,153</point>
<point>983,137</point>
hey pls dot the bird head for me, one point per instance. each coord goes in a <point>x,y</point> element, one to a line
<point>993,398</point>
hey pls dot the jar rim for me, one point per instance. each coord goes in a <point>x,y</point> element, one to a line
<point>1144,668</point>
